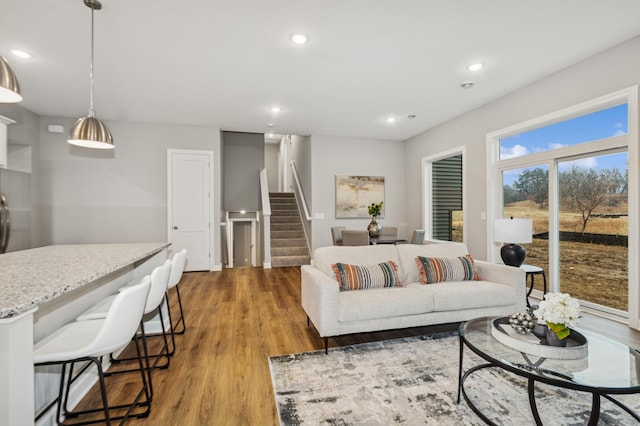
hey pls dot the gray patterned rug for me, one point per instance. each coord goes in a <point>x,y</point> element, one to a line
<point>413,381</point>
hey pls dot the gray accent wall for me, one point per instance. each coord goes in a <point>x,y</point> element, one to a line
<point>607,72</point>
<point>243,159</point>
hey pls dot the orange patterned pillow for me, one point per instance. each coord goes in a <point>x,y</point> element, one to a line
<point>356,277</point>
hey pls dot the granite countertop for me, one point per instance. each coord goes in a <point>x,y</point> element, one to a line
<point>29,278</point>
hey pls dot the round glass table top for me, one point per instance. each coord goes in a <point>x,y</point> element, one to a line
<point>609,364</point>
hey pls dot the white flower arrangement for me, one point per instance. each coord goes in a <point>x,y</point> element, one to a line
<point>560,311</point>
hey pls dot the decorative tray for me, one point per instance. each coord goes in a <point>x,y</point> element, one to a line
<point>530,344</point>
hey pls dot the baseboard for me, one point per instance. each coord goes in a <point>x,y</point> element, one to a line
<point>266,265</point>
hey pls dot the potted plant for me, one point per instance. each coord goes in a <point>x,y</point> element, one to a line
<point>374,211</point>
<point>559,311</point>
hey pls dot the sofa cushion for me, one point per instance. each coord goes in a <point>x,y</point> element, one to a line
<point>439,269</point>
<point>408,253</point>
<point>384,303</point>
<point>460,295</point>
<point>325,257</point>
<point>363,277</point>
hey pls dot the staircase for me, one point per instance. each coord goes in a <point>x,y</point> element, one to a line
<point>288,243</point>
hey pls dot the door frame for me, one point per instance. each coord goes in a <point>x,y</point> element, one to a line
<point>231,243</point>
<point>427,189</point>
<point>211,237</point>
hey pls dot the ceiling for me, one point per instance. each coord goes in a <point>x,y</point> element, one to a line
<point>226,63</point>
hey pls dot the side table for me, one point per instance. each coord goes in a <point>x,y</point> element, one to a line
<point>531,272</point>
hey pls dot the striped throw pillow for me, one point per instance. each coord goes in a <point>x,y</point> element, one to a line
<point>358,277</point>
<point>439,269</point>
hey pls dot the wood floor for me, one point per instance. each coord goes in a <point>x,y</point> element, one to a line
<point>236,319</point>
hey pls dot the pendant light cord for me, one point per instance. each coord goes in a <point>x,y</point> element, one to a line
<point>91,112</point>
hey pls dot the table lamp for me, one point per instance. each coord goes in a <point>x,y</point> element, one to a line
<point>510,232</point>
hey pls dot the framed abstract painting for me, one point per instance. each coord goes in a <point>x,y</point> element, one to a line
<point>354,194</point>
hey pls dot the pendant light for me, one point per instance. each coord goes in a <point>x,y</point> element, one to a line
<point>88,131</point>
<point>9,87</point>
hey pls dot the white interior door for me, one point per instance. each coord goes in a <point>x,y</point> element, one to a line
<point>190,209</point>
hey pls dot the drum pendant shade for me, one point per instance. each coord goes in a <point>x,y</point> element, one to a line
<point>9,87</point>
<point>88,131</point>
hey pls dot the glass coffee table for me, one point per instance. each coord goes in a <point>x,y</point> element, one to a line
<point>610,368</point>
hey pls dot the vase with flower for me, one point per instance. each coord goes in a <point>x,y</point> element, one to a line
<point>560,312</point>
<point>374,227</point>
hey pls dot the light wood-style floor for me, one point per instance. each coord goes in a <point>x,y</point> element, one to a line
<point>236,319</point>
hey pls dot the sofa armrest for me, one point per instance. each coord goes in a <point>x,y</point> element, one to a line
<point>319,296</point>
<point>507,275</point>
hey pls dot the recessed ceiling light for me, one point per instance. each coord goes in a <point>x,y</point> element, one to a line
<point>299,38</point>
<point>475,67</point>
<point>275,109</point>
<point>270,125</point>
<point>467,84</point>
<point>21,53</point>
<point>391,120</point>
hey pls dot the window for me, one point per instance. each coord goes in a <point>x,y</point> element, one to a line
<point>443,196</point>
<point>570,173</point>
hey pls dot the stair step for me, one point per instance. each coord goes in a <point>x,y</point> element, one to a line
<point>289,251</point>
<point>293,210</point>
<point>290,261</point>
<point>283,205</point>
<point>285,219</point>
<point>281,195</point>
<point>286,227</point>
<point>288,242</point>
<point>276,235</point>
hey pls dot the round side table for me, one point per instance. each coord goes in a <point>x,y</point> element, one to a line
<point>531,272</point>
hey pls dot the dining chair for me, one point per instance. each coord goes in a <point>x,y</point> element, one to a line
<point>336,235</point>
<point>418,236</point>
<point>389,232</point>
<point>352,237</point>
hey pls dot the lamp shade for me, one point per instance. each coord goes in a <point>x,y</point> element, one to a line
<point>513,230</point>
<point>90,132</point>
<point>9,87</point>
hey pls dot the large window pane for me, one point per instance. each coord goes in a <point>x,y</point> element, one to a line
<point>526,195</point>
<point>593,229</point>
<point>586,128</point>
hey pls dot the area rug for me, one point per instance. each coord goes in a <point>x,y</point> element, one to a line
<point>414,381</point>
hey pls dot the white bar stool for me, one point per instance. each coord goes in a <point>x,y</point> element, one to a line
<point>177,268</point>
<point>88,341</point>
<point>159,281</point>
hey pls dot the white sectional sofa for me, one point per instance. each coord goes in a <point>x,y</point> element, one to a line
<point>500,291</point>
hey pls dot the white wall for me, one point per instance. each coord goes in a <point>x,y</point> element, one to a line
<point>271,165</point>
<point>120,195</point>
<point>334,155</point>
<point>609,71</point>
<point>301,155</point>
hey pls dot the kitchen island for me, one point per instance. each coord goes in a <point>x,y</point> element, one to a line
<point>44,288</point>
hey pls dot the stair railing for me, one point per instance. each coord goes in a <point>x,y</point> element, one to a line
<point>302,202</point>
<point>266,219</point>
